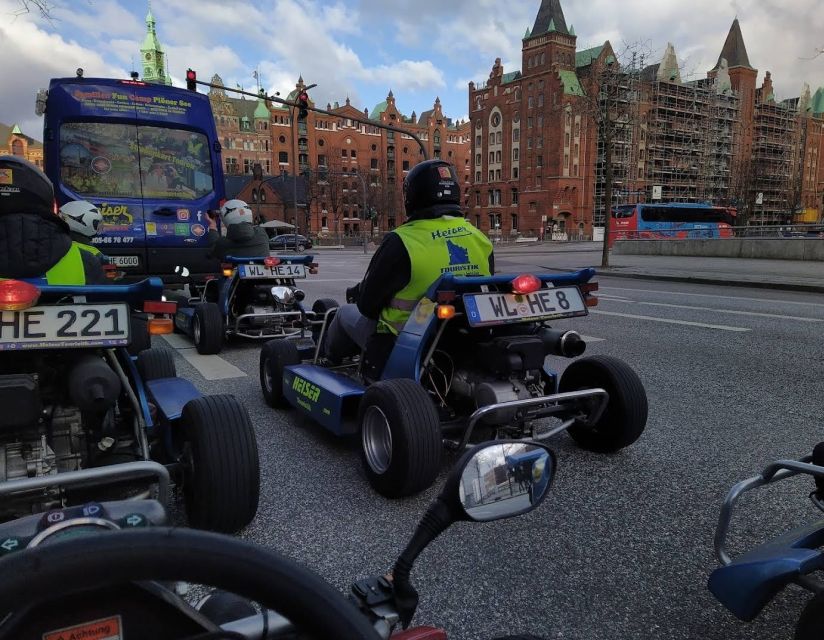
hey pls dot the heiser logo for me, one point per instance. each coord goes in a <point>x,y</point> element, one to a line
<point>450,233</point>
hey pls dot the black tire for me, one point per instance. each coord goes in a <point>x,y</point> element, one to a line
<point>322,305</point>
<point>301,248</point>
<point>207,328</point>
<point>156,363</point>
<point>811,623</point>
<point>221,607</point>
<point>625,416</point>
<point>221,484</point>
<point>412,457</point>
<point>275,355</point>
<point>141,338</point>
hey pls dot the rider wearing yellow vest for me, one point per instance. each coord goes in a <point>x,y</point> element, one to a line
<point>436,240</point>
<point>34,242</point>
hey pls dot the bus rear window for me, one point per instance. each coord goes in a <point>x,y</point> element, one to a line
<point>108,160</point>
<point>683,214</point>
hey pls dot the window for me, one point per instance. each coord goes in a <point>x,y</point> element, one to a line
<point>540,142</point>
<point>477,198</point>
<point>540,99</point>
<point>490,197</point>
<point>282,139</point>
<point>566,139</point>
<point>254,195</point>
<point>529,122</point>
<point>406,165</point>
<point>540,121</point>
<point>324,222</point>
<point>543,60</point>
<point>373,163</point>
<point>491,176</point>
<point>514,173</point>
<point>498,137</point>
<point>539,162</point>
<point>537,180</point>
<point>497,156</point>
<point>491,157</point>
<point>321,160</point>
<point>515,195</point>
<point>477,158</point>
<point>566,160</point>
<point>478,221</point>
<point>529,102</point>
<point>514,221</point>
<point>477,141</point>
<point>577,128</point>
<point>497,174</point>
<point>516,154</point>
<point>353,153</point>
<point>576,149</point>
<point>529,143</point>
<point>491,138</point>
<point>516,135</point>
<point>477,176</point>
<point>343,153</point>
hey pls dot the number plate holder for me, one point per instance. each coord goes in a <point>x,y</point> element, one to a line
<point>262,272</point>
<point>66,326</point>
<point>489,309</point>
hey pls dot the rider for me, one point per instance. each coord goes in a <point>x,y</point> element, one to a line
<point>83,219</point>
<point>435,240</point>
<point>34,242</point>
<point>243,239</point>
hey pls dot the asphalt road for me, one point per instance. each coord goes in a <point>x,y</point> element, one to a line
<point>622,547</point>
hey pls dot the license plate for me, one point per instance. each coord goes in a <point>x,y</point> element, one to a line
<point>125,261</point>
<point>251,271</point>
<point>65,326</point>
<point>503,308</point>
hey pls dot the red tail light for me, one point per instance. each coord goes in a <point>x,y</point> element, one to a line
<point>313,267</point>
<point>157,306</point>
<point>16,295</point>
<point>587,289</point>
<point>526,283</point>
<point>271,262</point>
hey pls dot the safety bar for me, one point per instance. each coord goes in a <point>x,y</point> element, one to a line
<point>774,472</point>
<point>557,406</point>
<point>95,476</point>
<point>274,314</point>
<point>135,294</point>
<point>302,259</point>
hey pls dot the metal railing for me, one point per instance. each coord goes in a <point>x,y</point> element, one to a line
<point>753,231</point>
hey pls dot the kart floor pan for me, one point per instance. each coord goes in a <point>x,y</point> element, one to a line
<point>328,397</point>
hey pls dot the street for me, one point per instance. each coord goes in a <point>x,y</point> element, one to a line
<point>622,546</point>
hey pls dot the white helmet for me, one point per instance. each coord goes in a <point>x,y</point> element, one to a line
<point>82,217</point>
<point>236,211</point>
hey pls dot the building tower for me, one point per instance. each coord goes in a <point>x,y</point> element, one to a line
<point>154,63</point>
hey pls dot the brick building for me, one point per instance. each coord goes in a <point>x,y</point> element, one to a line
<point>13,142</point>
<point>536,160</point>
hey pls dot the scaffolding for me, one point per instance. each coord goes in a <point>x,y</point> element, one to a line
<point>774,159</point>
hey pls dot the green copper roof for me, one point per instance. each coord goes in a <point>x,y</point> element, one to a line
<point>551,26</point>
<point>527,34</point>
<point>261,111</point>
<point>16,130</point>
<point>572,86</point>
<point>571,30</point>
<point>817,104</point>
<point>587,56</point>
<point>510,77</point>
<point>375,114</point>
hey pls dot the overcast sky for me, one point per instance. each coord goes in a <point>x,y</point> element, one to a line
<point>362,48</point>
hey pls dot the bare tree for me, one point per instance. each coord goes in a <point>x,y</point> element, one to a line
<point>610,101</point>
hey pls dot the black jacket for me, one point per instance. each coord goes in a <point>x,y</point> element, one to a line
<point>389,271</point>
<point>31,244</point>
<point>242,240</point>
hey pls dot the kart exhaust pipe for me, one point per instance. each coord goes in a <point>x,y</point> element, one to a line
<point>567,344</point>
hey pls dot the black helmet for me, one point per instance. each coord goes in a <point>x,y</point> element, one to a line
<point>24,188</point>
<point>431,189</point>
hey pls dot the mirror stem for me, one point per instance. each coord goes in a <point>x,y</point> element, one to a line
<point>436,519</point>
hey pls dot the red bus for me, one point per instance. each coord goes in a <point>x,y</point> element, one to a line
<point>672,220</point>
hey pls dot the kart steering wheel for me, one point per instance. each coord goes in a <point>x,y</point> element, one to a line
<point>65,567</point>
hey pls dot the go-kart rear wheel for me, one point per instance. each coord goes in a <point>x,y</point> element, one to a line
<point>156,363</point>
<point>275,355</point>
<point>221,483</point>
<point>207,328</point>
<point>141,338</point>
<point>625,417</point>
<point>811,623</point>
<point>401,444</point>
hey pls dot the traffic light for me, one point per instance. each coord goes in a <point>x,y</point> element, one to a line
<point>303,104</point>
<point>191,80</point>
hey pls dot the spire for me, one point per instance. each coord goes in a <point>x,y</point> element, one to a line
<point>527,33</point>
<point>550,18</point>
<point>151,53</point>
<point>668,69</point>
<point>571,30</point>
<point>734,50</point>
<point>150,21</point>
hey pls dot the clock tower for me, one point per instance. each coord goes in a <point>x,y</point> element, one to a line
<point>152,56</point>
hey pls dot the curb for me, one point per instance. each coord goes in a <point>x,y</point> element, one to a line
<point>782,286</point>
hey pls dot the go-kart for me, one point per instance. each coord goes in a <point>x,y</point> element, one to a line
<point>113,574</point>
<point>747,583</point>
<point>252,298</point>
<point>469,365</point>
<point>82,418</point>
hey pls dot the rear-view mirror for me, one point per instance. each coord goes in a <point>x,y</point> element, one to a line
<point>505,479</point>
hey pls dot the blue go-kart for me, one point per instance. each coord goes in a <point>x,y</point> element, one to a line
<point>254,298</point>
<point>84,419</point>
<point>747,583</point>
<point>468,366</point>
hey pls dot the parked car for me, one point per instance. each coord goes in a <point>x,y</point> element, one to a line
<point>290,241</point>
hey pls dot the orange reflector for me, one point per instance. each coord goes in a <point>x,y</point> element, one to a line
<point>526,283</point>
<point>271,262</point>
<point>16,295</point>
<point>157,306</point>
<point>227,273</point>
<point>159,326</point>
<point>589,287</point>
<point>313,270</point>
<point>445,311</point>
<point>591,301</point>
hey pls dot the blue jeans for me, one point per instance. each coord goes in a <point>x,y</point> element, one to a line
<point>348,333</point>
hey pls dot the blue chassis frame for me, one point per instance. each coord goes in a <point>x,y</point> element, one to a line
<point>327,396</point>
<point>184,317</point>
<point>747,583</point>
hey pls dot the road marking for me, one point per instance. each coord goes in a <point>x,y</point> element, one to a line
<point>729,311</point>
<point>210,367</point>
<point>313,280</point>
<point>721,327</point>
<point>713,295</point>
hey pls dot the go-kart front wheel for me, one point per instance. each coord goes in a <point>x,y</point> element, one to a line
<point>401,444</point>
<point>625,417</point>
<point>221,483</point>
<point>275,355</point>
<point>207,328</point>
<point>811,623</point>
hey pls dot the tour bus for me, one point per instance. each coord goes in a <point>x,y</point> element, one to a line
<point>148,156</point>
<point>670,220</point>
